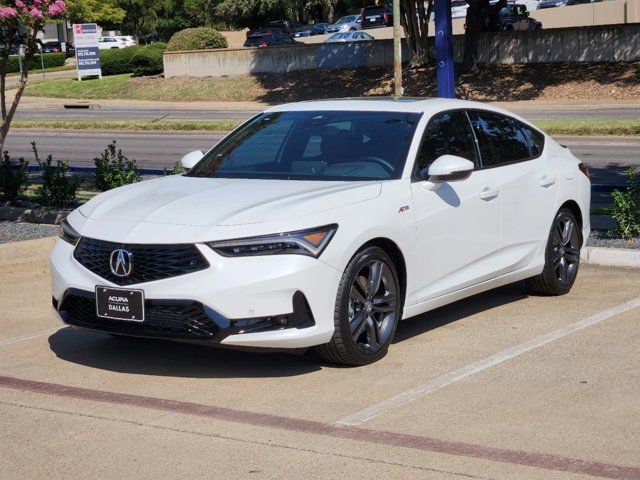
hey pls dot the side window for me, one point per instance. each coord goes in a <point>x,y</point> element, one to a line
<point>535,139</point>
<point>499,138</point>
<point>447,133</point>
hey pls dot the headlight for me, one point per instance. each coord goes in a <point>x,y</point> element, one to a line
<point>310,242</point>
<point>68,234</point>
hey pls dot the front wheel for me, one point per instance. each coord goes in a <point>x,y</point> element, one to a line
<point>562,257</point>
<point>368,308</point>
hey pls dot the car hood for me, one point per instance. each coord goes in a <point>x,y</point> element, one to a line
<point>180,200</point>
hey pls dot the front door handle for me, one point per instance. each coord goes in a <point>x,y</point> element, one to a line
<point>489,193</point>
<point>547,181</point>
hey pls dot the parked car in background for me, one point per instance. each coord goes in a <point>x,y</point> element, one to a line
<point>271,40</point>
<point>377,16</point>
<point>349,37</point>
<point>561,3</point>
<point>311,30</point>
<point>459,8</point>
<point>511,17</point>
<point>278,26</point>
<point>56,47</point>
<point>106,43</point>
<point>128,40</point>
<point>350,23</point>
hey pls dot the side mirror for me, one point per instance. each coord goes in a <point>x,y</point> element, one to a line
<point>190,159</point>
<point>447,168</point>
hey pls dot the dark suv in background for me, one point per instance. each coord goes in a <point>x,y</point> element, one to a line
<point>270,40</point>
<point>377,16</point>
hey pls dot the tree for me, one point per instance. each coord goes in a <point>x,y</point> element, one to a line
<point>141,16</point>
<point>414,18</point>
<point>20,23</point>
<point>253,13</point>
<point>98,11</point>
<point>477,14</point>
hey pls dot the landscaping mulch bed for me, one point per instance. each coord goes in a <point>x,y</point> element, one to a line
<point>599,238</point>
<point>16,231</point>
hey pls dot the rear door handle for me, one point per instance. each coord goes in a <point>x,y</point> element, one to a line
<point>489,193</point>
<point>547,180</point>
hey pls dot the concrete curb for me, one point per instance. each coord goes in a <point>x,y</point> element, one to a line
<point>33,215</point>
<point>26,249</point>
<point>611,257</point>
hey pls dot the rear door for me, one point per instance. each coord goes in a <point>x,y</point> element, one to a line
<point>527,181</point>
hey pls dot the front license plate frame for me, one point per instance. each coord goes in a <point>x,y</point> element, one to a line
<point>124,304</point>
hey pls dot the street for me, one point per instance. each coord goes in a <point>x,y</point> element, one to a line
<point>606,157</point>
<point>502,385</point>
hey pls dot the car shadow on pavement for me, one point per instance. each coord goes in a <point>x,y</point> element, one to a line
<point>172,359</point>
<point>466,307</point>
<point>164,358</point>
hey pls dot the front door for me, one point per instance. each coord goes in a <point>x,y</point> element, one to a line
<point>458,226</point>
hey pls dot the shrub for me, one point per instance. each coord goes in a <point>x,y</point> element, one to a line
<point>626,207</point>
<point>13,178</point>
<point>50,60</point>
<point>113,169</point>
<point>148,60</point>
<point>177,169</point>
<point>58,187</point>
<point>117,60</point>
<point>201,38</point>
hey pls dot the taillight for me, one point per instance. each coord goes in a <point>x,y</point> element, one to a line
<point>386,16</point>
<point>264,43</point>
<point>465,25</point>
<point>583,168</point>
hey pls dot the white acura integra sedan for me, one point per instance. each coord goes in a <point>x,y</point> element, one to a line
<point>323,224</point>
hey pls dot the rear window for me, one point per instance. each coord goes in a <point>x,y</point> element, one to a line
<point>500,139</point>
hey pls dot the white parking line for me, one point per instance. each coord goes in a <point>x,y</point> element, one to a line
<point>455,375</point>
<point>28,336</point>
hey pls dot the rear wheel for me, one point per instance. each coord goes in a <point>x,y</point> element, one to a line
<point>368,308</point>
<point>562,257</point>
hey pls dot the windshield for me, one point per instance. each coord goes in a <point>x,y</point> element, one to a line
<point>314,145</point>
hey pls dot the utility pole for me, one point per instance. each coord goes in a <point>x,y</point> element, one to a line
<point>397,51</point>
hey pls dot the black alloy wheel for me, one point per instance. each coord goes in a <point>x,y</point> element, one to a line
<point>368,308</point>
<point>562,257</point>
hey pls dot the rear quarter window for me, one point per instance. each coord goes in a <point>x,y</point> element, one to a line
<point>535,139</point>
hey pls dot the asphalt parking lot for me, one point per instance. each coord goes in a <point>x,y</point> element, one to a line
<point>498,386</point>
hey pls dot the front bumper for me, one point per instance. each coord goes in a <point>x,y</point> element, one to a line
<point>279,301</point>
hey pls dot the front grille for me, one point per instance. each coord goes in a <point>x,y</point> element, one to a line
<point>150,262</point>
<point>162,320</point>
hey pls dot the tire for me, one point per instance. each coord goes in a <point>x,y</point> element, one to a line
<point>562,257</point>
<point>369,304</point>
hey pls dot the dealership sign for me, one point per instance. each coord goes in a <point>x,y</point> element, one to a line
<point>85,39</point>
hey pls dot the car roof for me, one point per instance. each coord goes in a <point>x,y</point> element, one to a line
<point>427,105</point>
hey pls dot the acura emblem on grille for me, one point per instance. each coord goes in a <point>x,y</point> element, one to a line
<point>121,262</point>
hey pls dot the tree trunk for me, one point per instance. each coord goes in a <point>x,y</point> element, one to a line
<point>477,15</point>
<point>416,30</point>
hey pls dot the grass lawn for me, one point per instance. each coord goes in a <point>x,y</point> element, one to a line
<point>595,126</point>
<point>129,125</point>
<point>625,127</point>
<point>125,87</point>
